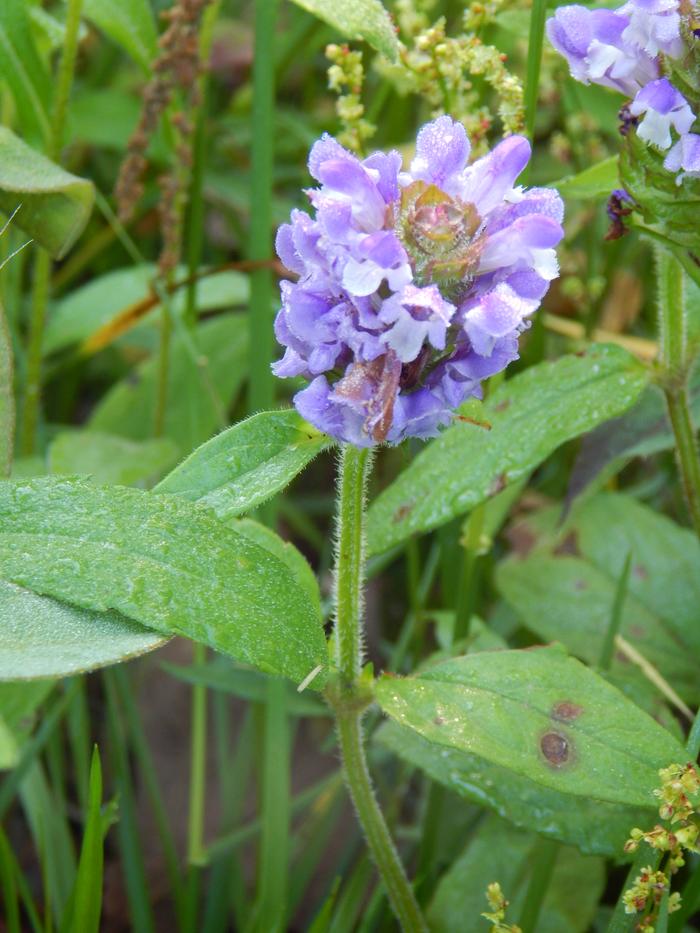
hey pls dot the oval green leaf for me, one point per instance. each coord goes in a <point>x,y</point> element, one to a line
<point>565,587</point>
<point>367,20</point>
<point>247,464</point>
<point>129,23</point>
<point>7,398</point>
<point>594,826</point>
<point>541,715</point>
<point>529,417</point>
<point>54,205</point>
<point>109,459</point>
<point>40,637</point>
<point>594,182</point>
<point>164,562</point>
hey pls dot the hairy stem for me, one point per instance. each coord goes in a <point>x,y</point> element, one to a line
<point>674,362</point>
<point>354,467</point>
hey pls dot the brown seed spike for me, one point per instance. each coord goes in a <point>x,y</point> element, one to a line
<point>555,748</point>
<point>566,711</point>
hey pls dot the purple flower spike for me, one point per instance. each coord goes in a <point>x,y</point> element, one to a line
<point>663,108</point>
<point>413,287</point>
<point>593,43</point>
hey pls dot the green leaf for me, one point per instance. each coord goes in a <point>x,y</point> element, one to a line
<point>108,459</point>
<point>593,826</point>
<point>565,588</point>
<point>23,69</point>
<point>367,20</point>
<point>92,306</point>
<point>594,182</point>
<point>129,23</point>
<point>86,900</point>
<point>165,563</point>
<point>55,205</point>
<point>198,396</point>
<point>498,852</point>
<point>541,715</point>
<point>247,464</point>
<point>530,416</point>
<point>8,747</point>
<point>40,637</point>
<point>19,702</point>
<point>644,430</point>
<point>668,209</point>
<point>220,674</point>
<point>7,398</point>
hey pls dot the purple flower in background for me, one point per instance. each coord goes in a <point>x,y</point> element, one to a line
<point>413,286</point>
<point>623,49</point>
<point>654,26</point>
<point>663,107</point>
<point>593,43</point>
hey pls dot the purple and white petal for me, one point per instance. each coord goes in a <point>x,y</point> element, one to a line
<point>663,108</point>
<point>442,150</point>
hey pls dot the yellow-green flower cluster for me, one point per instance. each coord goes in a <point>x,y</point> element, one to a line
<point>440,69</point>
<point>346,76</point>
<point>680,784</point>
<point>497,914</point>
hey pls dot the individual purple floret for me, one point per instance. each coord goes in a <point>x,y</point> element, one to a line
<point>413,286</point>
<point>684,157</point>
<point>654,26</point>
<point>593,43</point>
<point>662,107</point>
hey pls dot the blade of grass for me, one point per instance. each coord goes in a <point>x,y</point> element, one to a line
<point>142,755</point>
<point>128,832</point>
<point>52,838</point>
<point>8,886</point>
<point>538,15</point>
<point>544,859</point>
<point>86,908</point>
<point>78,721</point>
<point>34,746</point>
<point>608,650</point>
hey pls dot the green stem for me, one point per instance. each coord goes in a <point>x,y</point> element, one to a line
<point>538,15</point>
<point>354,467</point>
<point>674,363</point>
<point>42,266</point>
<point>198,750</point>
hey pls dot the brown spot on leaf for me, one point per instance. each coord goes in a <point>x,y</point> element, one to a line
<point>566,711</point>
<point>503,405</point>
<point>569,546</point>
<point>439,721</point>
<point>499,484</point>
<point>640,572</point>
<point>479,424</point>
<point>402,511</point>
<point>556,749</point>
<point>638,631</point>
<point>580,584</point>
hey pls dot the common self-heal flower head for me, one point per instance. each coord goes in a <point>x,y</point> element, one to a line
<point>662,107</point>
<point>413,286</point>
